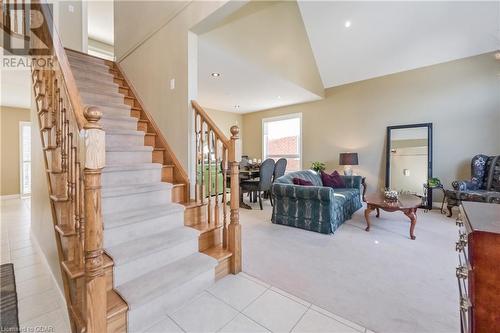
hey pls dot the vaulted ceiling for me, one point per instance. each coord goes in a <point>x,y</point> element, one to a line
<point>389,37</point>
<point>349,42</point>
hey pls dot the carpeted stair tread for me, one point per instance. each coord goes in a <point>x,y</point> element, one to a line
<point>116,220</point>
<point>131,167</point>
<point>120,190</point>
<point>118,117</point>
<point>102,94</point>
<point>91,83</point>
<point>122,131</point>
<point>85,57</point>
<point>89,70</point>
<point>129,148</point>
<point>79,65</point>
<point>165,279</point>
<point>117,110</point>
<point>140,247</point>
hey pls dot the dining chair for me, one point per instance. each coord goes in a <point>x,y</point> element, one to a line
<point>263,184</point>
<point>279,170</point>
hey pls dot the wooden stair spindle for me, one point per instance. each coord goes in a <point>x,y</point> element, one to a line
<point>225,237</point>
<point>94,273</point>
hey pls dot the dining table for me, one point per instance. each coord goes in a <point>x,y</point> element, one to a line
<point>246,173</point>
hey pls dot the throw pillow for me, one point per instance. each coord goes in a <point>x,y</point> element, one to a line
<point>334,180</point>
<point>302,182</point>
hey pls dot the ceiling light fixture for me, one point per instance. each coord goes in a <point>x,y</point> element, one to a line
<point>279,97</point>
<point>216,74</point>
<point>347,24</point>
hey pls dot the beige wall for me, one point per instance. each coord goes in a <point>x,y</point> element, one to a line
<point>461,98</point>
<point>9,154</point>
<point>224,121</point>
<point>162,57</point>
<point>70,25</point>
<point>135,21</point>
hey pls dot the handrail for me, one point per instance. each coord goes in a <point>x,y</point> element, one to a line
<point>210,122</point>
<point>215,156</point>
<point>69,79</point>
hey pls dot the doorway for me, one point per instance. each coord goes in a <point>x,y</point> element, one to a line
<point>25,158</point>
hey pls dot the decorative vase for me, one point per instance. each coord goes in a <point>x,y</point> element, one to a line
<point>391,195</point>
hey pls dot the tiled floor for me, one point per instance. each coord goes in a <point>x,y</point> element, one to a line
<point>238,303</point>
<point>241,303</point>
<point>39,301</point>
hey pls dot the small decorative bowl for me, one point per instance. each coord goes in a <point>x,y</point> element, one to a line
<point>391,195</point>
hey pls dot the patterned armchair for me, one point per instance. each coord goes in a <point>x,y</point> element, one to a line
<point>484,185</point>
<point>314,208</point>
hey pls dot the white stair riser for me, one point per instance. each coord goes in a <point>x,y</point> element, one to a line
<point>116,140</point>
<point>144,316</point>
<point>117,123</point>
<point>128,157</point>
<point>133,269</point>
<point>131,177</point>
<point>141,229</point>
<point>126,202</point>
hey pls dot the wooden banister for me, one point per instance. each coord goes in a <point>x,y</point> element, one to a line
<point>206,118</point>
<point>60,54</point>
<point>74,155</point>
<point>216,159</point>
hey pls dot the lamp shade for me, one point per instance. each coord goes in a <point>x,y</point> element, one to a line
<point>348,159</point>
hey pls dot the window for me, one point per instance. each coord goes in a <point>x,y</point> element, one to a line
<point>282,138</point>
<point>25,157</point>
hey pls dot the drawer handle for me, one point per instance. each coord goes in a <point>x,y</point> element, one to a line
<point>464,303</point>
<point>462,242</point>
<point>460,245</point>
<point>462,272</point>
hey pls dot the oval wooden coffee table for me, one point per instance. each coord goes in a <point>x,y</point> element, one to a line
<point>406,203</point>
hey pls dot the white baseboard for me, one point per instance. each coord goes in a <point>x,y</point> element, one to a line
<point>62,299</point>
<point>9,197</point>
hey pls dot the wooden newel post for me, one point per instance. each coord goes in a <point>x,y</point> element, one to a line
<point>95,290</point>
<point>234,228</point>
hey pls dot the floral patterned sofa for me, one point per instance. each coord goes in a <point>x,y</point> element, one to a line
<point>314,208</point>
<point>484,185</point>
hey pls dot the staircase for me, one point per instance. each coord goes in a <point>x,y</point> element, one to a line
<point>132,243</point>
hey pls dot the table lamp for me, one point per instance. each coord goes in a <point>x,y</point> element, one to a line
<point>348,160</point>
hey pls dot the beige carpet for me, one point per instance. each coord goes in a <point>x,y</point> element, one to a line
<point>380,279</point>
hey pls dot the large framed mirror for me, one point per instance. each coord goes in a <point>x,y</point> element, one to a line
<point>409,160</point>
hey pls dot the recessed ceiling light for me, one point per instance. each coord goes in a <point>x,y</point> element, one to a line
<point>347,24</point>
<point>216,74</point>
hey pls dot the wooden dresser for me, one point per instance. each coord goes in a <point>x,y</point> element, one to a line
<point>478,273</point>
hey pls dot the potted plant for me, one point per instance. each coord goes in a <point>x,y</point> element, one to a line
<point>433,182</point>
<point>318,166</point>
